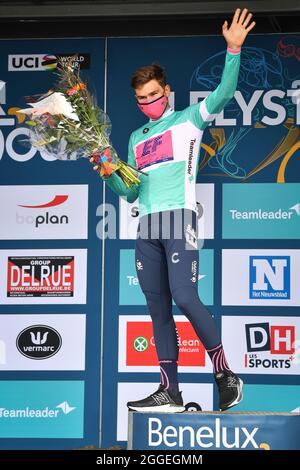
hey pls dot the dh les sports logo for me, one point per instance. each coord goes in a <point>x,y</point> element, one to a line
<point>269,346</point>
<point>270,277</point>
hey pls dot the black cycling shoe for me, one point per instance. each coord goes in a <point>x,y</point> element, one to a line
<point>230,389</point>
<point>161,400</point>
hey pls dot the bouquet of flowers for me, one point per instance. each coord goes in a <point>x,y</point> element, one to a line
<point>67,123</point>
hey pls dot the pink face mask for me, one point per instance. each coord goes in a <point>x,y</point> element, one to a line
<point>154,109</point>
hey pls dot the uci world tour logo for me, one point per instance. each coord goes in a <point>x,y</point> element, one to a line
<point>44,62</point>
<point>270,277</point>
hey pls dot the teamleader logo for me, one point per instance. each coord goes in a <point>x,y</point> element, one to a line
<point>260,214</point>
<point>28,412</point>
<point>269,346</point>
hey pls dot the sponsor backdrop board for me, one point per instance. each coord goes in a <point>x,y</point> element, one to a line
<point>42,342</point>
<point>249,258</point>
<point>43,276</point>
<point>42,409</point>
<point>263,345</point>
<point>63,216</point>
<point>249,233</point>
<point>252,209</point>
<point>137,346</point>
<point>50,257</point>
<point>261,277</point>
<point>131,293</point>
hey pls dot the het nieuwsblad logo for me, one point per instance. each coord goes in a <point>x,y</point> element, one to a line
<point>270,277</point>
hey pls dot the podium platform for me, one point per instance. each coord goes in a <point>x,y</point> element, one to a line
<point>214,431</point>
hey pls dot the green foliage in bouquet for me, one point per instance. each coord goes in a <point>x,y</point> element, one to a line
<point>66,122</point>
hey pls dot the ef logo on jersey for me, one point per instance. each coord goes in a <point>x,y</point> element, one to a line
<point>154,150</point>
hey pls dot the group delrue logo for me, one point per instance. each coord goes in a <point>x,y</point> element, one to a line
<point>261,210</point>
<point>40,276</point>
<point>270,277</point>
<point>269,346</point>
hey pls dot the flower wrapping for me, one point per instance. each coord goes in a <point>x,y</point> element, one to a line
<point>67,123</point>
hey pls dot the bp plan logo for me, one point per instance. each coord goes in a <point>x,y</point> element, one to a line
<point>44,212</point>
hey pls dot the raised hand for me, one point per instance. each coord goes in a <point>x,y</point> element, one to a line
<point>236,34</point>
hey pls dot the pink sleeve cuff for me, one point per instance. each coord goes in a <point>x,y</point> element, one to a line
<point>233,51</point>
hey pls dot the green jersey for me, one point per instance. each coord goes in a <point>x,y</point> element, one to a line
<point>168,149</point>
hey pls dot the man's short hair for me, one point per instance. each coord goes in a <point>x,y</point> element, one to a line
<point>146,73</point>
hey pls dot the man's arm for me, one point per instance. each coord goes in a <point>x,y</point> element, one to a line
<point>116,184</point>
<point>235,36</point>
